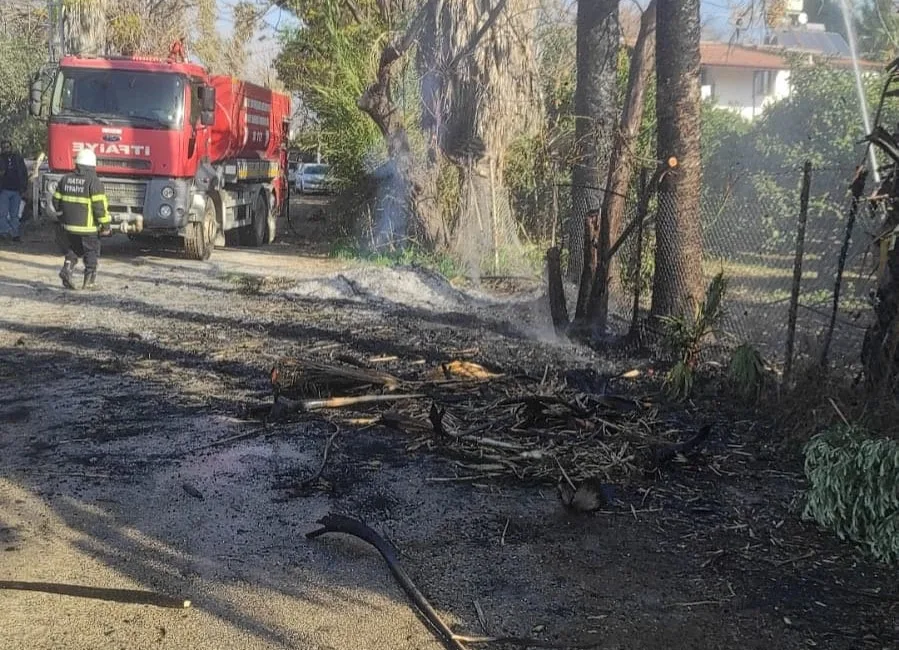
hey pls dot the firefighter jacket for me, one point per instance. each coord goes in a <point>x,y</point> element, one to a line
<point>81,203</point>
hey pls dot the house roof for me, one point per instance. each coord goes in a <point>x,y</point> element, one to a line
<point>765,57</point>
<point>739,56</point>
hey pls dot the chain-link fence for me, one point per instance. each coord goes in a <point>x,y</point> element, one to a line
<point>749,224</point>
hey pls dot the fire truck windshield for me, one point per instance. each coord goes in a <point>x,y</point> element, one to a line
<point>139,99</point>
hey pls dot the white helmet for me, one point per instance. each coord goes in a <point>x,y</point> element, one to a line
<point>86,158</point>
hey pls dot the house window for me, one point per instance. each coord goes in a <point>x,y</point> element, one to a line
<point>763,83</point>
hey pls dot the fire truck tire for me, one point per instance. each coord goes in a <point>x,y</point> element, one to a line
<point>256,232</point>
<point>200,238</point>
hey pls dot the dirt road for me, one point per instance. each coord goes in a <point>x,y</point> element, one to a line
<point>111,399</point>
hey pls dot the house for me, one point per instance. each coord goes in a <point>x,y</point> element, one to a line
<point>747,78</point>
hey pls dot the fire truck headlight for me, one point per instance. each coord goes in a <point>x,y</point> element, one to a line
<point>165,211</point>
<point>168,192</point>
<point>51,186</point>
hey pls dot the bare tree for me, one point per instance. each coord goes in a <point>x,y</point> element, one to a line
<point>678,280</point>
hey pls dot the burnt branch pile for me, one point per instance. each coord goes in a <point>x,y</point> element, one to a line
<point>491,424</point>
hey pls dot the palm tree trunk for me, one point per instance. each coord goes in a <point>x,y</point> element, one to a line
<point>677,281</point>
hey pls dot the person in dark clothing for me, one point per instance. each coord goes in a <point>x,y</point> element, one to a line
<point>13,185</point>
<point>81,205</point>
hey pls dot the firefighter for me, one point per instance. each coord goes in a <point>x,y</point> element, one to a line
<point>81,205</point>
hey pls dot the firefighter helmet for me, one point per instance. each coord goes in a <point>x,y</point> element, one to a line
<point>86,158</point>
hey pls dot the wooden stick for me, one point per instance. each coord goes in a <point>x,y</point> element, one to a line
<point>339,402</point>
<point>525,642</point>
<point>126,596</point>
<point>284,406</point>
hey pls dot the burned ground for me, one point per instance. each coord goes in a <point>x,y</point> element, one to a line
<point>115,413</point>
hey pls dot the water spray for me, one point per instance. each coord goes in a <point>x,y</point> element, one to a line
<point>859,87</point>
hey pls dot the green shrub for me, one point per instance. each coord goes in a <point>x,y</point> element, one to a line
<point>686,334</point>
<point>746,371</point>
<point>854,488</point>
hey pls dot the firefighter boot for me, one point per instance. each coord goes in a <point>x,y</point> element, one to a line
<point>90,279</point>
<point>66,275</point>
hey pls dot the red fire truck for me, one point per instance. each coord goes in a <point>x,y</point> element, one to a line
<point>181,152</point>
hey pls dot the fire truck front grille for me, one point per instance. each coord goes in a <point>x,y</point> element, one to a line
<point>125,194</point>
<point>124,163</point>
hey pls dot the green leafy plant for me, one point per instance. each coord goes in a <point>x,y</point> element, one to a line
<point>329,62</point>
<point>854,488</point>
<point>686,334</point>
<point>746,371</point>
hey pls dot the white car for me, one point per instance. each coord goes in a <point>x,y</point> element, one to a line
<point>313,177</point>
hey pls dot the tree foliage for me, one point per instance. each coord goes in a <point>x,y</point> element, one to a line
<point>22,51</point>
<point>328,62</point>
<point>877,24</point>
<point>753,165</point>
<point>147,27</point>
<point>539,164</point>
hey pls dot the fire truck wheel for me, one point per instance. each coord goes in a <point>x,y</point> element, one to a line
<point>255,233</point>
<point>200,238</point>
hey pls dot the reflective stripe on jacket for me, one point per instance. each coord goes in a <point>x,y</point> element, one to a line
<point>80,200</point>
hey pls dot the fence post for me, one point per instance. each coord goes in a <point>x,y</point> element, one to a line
<point>857,187</point>
<point>638,256</point>
<point>797,267</point>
